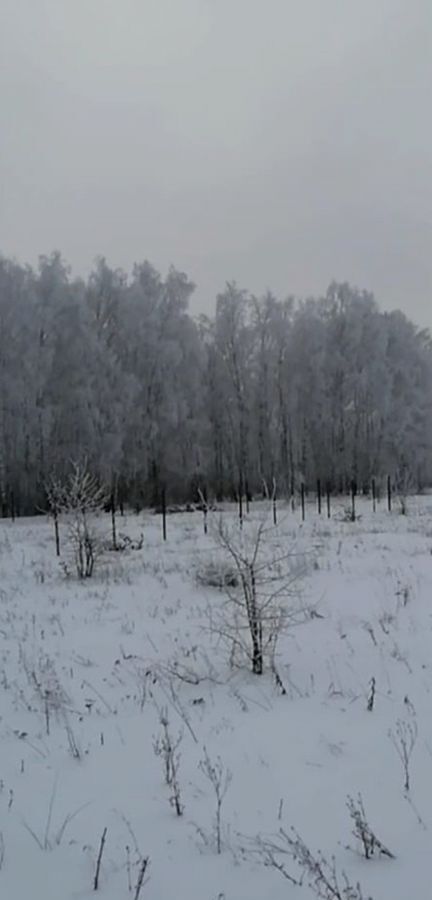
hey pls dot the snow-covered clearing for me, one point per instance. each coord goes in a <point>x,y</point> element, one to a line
<point>87,667</point>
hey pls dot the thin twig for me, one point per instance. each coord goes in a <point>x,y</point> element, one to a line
<point>99,859</point>
<point>140,881</point>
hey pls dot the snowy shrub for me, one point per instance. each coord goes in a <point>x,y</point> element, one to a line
<point>86,545</point>
<point>79,499</point>
<point>258,604</point>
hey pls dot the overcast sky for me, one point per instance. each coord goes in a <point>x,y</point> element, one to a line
<point>282,143</point>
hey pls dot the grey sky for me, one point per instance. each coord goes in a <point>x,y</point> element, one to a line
<point>278,142</point>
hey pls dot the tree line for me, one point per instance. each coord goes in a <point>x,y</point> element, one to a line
<point>265,394</point>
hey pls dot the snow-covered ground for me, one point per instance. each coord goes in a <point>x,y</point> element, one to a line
<point>87,669</point>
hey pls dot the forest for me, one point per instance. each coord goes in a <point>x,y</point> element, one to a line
<point>265,394</point>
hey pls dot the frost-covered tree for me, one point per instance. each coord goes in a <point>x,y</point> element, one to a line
<point>115,370</point>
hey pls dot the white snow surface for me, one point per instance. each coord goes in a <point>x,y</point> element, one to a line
<point>107,650</point>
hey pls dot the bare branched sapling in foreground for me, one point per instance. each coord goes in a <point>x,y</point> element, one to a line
<point>370,844</point>
<point>259,598</point>
<point>404,739</point>
<point>220,779</point>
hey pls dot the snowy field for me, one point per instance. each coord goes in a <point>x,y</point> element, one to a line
<point>88,670</point>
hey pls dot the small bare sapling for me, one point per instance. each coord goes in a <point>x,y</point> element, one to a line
<point>259,594</point>
<point>80,499</point>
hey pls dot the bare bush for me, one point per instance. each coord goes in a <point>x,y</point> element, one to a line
<point>80,498</point>
<point>259,592</point>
